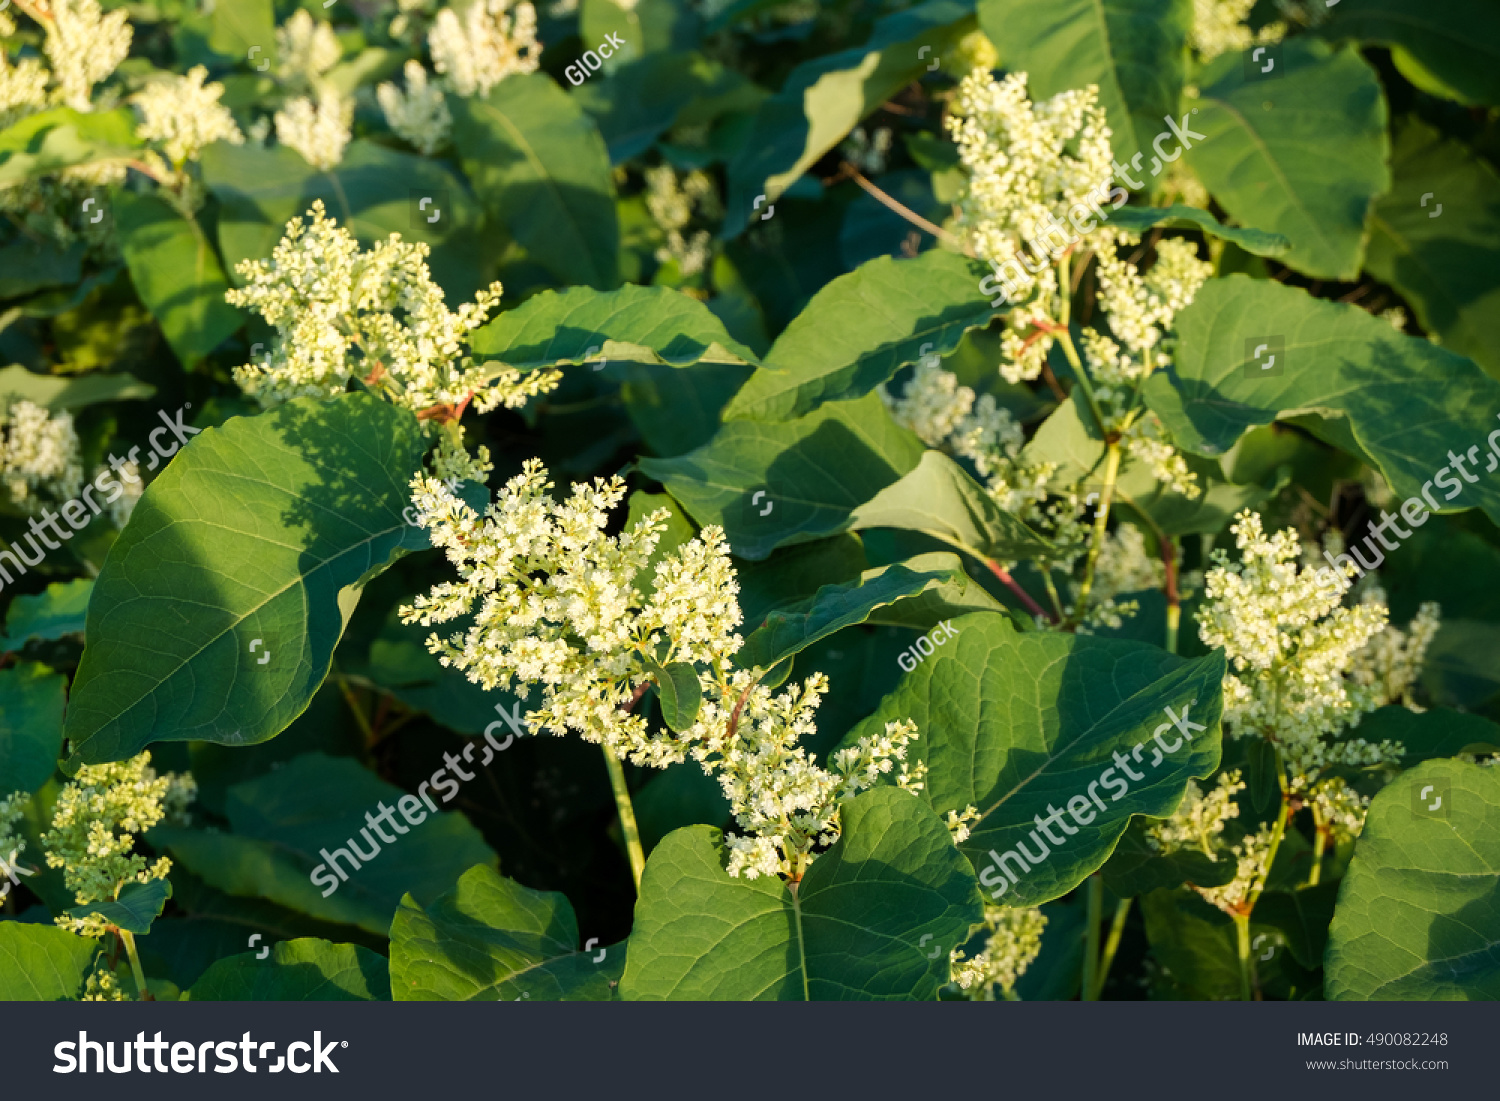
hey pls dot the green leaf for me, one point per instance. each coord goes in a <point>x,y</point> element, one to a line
<point>796,574</point>
<point>861,329</point>
<point>491,939</point>
<point>539,165</point>
<point>1457,40</point>
<point>1406,401</point>
<point>677,411</point>
<point>1419,906</point>
<point>42,963</point>
<point>1422,735</point>
<point>834,607</point>
<point>273,524</point>
<point>824,98</point>
<point>647,26</point>
<point>303,970</point>
<point>225,33</point>
<point>31,714</point>
<point>1014,724</point>
<point>29,264</point>
<point>1302,916</point>
<point>856,928</point>
<point>283,821</point>
<point>57,611</point>
<point>939,498</point>
<point>1134,50</point>
<point>680,693</point>
<point>138,905</point>
<point>74,392</point>
<point>49,141</point>
<point>1436,239</point>
<point>1303,155</point>
<point>177,274</point>
<point>373,192</point>
<point>1138,219</point>
<point>769,485</point>
<point>581,325</point>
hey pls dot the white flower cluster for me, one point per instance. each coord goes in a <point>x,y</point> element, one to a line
<point>1338,808</point>
<point>84,45</point>
<point>38,451</point>
<point>306,48</point>
<point>558,602</point>
<point>671,202</point>
<point>319,130</point>
<point>342,314</point>
<point>1291,646</point>
<point>95,822</point>
<point>12,844</point>
<point>184,115</point>
<point>868,153</point>
<point>1219,27</point>
<point>1391,663</point>
<point>489,42</point>
<point>1199,819</point>
<point>419,114</point>
<point>1028,166</point>
<point>1015,941</point>
<point>1252,857</point>
<point>23,82</point>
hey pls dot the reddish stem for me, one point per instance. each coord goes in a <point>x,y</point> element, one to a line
<point>1014,586</point>
<point>1169,560</point>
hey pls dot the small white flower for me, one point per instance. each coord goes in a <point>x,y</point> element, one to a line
<point>318,131</point>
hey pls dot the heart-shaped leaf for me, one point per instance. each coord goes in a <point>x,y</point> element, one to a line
<point>138,905</point>
<point>303,970</point>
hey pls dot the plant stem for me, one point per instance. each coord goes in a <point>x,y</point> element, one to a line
<point>1015,586</point>
<point>1116,930</point>
<point>905,211</point>
<point>1101,522</point>
<point>1010,993</point>
<point>1095,897</point>
<point>135,965</point>
<point>1242,937</point>
<point>1320,845</point>
<point>1169,552</point>
<point>627,816</point>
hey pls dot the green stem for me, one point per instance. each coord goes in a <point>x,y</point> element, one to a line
<point>627,816</point>
<point>1242,937</point>
<point>135,965</point>
<point>1095,896</point>
<point>1320,845</point>
<point>1112,945</point>
<point>1009,992</point>
<point>1101,522</point>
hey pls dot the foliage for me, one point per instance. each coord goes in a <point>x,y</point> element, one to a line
<point>828,506</point>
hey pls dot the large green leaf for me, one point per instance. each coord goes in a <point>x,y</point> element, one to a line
<point>72,392</point>
<point>1303,155</point>
<point>284,821</point>
<point>28,264</point>
<point>1420,904</point>
<point>42,963</point>
<point>138,905</point>
<point>834,607</point>
<point>303,970</point>
<point>373,192</point>
<point>271,524</point>
<point>49,141</point>
<point>31,712</point>
<point>825,98</point>
<point>580,325</point>
<point>539,166</point>
<point>646,26</point>
<point>1456,40</point>
<point>1017,724</point>
<point>939,498</point>
<point>1406,402</point>
<point>1435,732</point>
<point>856,928</point>
<point>223,33</point>
<point>491,939</point>
<point>861,329</point>
<point>769,485</point>
<point>1436,239</point>
<point>176,272</point>
<point>1134,50</point>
